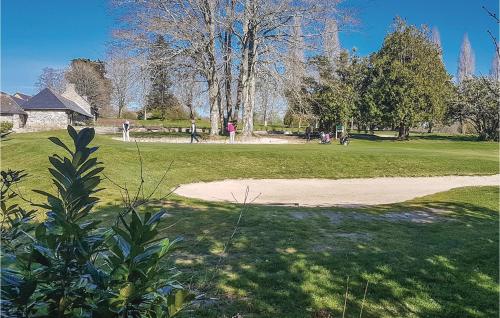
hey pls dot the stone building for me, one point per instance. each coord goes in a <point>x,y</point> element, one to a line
<point>49,109</point>
<point>10,111</point>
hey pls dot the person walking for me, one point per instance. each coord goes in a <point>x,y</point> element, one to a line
<point>193,131</point>
<point>126,131</point>
<point>231,128</point>
<point>308,133</point>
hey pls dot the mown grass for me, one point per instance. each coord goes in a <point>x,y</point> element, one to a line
<point>207,162</point>
<point>281,265</point>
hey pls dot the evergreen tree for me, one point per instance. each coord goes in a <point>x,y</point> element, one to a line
<point>336,95</point>
<point>160,99</point>
<point>409,82</point>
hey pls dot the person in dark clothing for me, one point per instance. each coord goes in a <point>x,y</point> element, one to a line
<point>193,131</point>
<point>308,133</point>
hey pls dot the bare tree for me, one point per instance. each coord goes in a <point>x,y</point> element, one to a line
<point>190,91</point>
<point>120,70</point>
<point>495,67</point>
<point>495,18</point>
<point>143,85</point>
<point>295,72</point>
<point>189,27</point>
<point>51,78</point>
<point>228,30</point>
<point>218,37</point>
<point>436,39</point>
<point>331,42</point>
<point>466,61</point>
<point>265,35</point>
<point>89,80</point>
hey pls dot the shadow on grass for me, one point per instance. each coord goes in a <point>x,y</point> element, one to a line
<point>446,137</point>
<point>371,137</point>
<point>434,137</point>
<point>291,261</point>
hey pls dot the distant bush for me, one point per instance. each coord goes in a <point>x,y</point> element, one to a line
<point>129,115</point>
<point>175,112</point>
<point>67,266</point>
<point>5,126</point>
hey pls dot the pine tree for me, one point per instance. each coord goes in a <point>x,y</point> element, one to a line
<point>410,84</point>
<point>466,61</point>
<point>159,99</point>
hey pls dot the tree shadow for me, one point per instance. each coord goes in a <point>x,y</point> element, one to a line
<point>446,137</point>
<point>285,264</point>
<point>371,137</point>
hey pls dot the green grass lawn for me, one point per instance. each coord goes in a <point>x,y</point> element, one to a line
<point>294,261</point>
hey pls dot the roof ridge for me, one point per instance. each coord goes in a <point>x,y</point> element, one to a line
<point>79,109</point>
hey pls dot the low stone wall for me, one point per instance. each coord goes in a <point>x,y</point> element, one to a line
<point>46,119</point>
<point>184,140</point>
<point>115,129</point>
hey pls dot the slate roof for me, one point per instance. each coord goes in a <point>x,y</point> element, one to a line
<point>9,106</point>
<point>18,100</point>
<point>21,96</point>
<point>47,99</point>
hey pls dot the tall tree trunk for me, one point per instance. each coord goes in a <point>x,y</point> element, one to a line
<point>403,132</point>
<point>239,90</point>
<point>249,106</point>
<point>229,59</point>
<point>221,113</point>
<point>212,80</point>
<point>431,125</point>
<point>249,84</point>
<point>213,92</point>
<point>242,78</point>
<point>265,104</point>
<point>189,103</point>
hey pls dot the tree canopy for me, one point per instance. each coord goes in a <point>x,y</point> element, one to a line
<point>409,82</point>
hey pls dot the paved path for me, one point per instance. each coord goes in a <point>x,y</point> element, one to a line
<point>326,192</point>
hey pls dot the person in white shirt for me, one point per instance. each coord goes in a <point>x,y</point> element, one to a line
<point>126,131</point>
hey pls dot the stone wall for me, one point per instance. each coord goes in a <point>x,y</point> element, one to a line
<point>46,119</point>
<point>18,121</point>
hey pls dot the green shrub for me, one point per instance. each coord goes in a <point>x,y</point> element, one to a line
<point>5,126</point>
<point>67,266</point>
<point>176,112</point>
<point>129,115</point>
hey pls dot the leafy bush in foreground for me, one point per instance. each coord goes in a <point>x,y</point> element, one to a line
<point>67,266</point>
<point>5,126</point>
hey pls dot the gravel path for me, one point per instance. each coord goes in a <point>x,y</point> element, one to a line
<point>326,192</point>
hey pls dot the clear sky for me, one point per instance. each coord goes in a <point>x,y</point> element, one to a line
<point>37,34</point>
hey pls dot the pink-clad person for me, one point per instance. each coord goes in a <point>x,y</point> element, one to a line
<point>232,132</point>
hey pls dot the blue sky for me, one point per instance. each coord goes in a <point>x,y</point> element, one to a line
<point>37,34</point>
